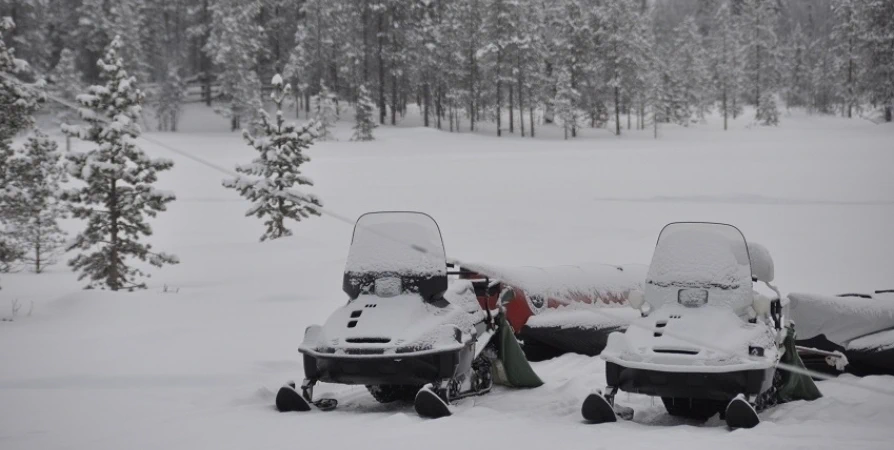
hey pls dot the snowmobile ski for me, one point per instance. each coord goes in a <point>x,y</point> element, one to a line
<point>596,409</point>
<point>289,399</point>
<point>429,404</point>
<point>600,408</point>
<point>740,414</point>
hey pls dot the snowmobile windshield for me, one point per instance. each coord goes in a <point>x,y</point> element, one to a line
<point>394,253</point>
<point>698,264</point>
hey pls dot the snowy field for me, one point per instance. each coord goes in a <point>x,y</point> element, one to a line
<point>197,366</point>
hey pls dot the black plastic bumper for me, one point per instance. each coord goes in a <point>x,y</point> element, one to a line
<point>542,343</point>
<point>414,370</point>
<point>708,386</point>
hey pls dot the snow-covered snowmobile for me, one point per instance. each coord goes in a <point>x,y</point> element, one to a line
<point>407,332</point>
<point>551,309</point>
<point>859,327</point>
<point>707,342</point>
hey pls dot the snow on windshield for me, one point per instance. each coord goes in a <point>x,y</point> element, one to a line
<point>701,256</point>
<point>405,243</point>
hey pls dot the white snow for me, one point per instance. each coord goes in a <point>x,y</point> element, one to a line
<point>194,362</point>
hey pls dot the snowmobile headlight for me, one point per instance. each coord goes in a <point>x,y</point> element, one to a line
<point>692,298</point>
<point>388,286</point>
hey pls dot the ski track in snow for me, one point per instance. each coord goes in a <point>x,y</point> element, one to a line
<point>199,367</point>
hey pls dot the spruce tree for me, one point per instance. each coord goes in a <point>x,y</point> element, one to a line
<point>269,181</point>
<point>364,121</point>
<point>170,98</point>
<point>234,45</point>
<point>325,112</point>
<point>726,63</point>
<point>118,194</point>
<point>566,101</point>
<point>37,175</point>
<point>19,99</point>
<point>767,110</point>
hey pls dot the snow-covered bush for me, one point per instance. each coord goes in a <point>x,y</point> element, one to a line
<point>118,176</point>
<point>325,112</point>
<point>269,180</point>
<point>365,123</point>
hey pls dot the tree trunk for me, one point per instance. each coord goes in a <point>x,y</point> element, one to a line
<point>531,113</point>
<point>393,99</point>
<point>628,115</point>
<point>380,31</point>
<point>511,110</point>
<point>113,279</point>
<point>617,111</point>
<point>499,110</point>
<point>889,111</point>
<point>426,95</point>
<point>725,109</point>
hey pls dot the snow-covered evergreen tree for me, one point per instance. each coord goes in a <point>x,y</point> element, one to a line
<point>767,110</point>
<point>168,102</point>
<point>19,99</point>
<point>726,61</point>
<point>234,45</point>
<point>566,101</point>
<point>690,71</point>
<point>797,80</point>
<point>847,45</point>
<point>118,193</point>
<point>270,180</point>
<point>325,112</point>
<point>37,175</point>
<point>877,36</point>
<point>364,122</point>
<point>761,47</point>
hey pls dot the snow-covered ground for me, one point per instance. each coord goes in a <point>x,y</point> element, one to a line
<point>197,366</point>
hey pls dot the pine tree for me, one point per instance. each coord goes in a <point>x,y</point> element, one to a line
<point>761,49</point>
<point>767,111</point>
<point>19,99</point>
<point>118,194</point>
<point>877,36</point>
<point>325,112</point>
<point>364,121</point>
<point>726,62</point>
<point>66,84</point>
<point>269,180</point>
<point>797,77</point>
<point>234,45</point>
<point>690,72</point>
<point>38,174</point>
<point>566,99</point>
<point>846,38</point>
<point>169,100</point>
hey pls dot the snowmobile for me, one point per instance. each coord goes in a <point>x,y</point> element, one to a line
<point>857,328</point>
<point>706,341</point>
<point>407,332</point>
<point>551,308</point>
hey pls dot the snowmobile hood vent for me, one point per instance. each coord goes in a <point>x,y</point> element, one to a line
<point>676,350</point>
<point>368,340</point>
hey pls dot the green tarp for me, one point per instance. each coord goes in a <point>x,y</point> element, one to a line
<point>513,368</point>
<point>795,386</point>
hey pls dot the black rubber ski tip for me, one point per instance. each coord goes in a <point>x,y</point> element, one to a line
<point>596,409</point>
<point>740,414</point>
<point>288,399</point>
<point>428,404</point>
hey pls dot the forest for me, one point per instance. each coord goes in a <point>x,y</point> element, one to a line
<point>576,63</point>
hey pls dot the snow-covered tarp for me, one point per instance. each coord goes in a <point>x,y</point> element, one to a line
<point>589,283</point>
<point>844,319</point>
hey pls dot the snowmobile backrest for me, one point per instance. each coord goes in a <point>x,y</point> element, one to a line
<point>762,268</point>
